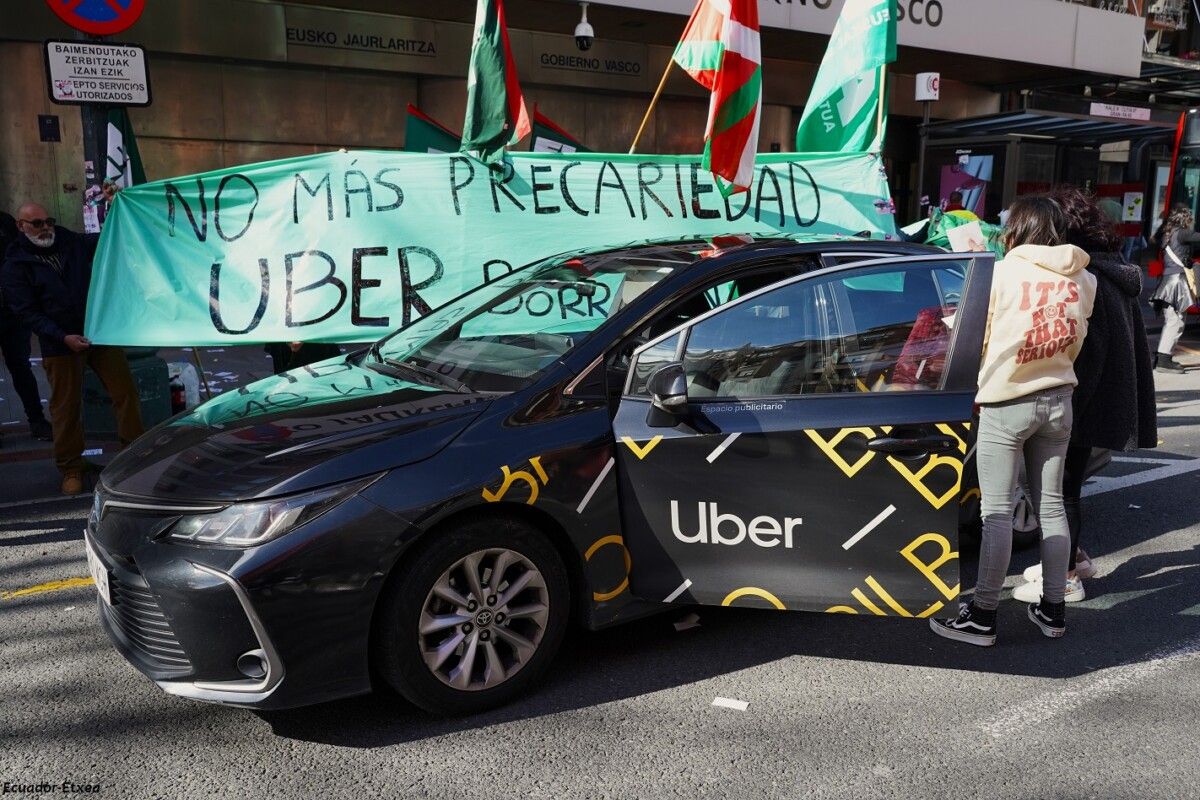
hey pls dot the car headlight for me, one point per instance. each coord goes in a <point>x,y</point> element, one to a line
<point>251,524</point>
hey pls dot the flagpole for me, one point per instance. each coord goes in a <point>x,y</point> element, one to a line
<point>883,99</point>
<point>653,102</point>
<point>200,369</point>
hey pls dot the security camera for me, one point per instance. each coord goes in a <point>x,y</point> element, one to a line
<point>584,35</point>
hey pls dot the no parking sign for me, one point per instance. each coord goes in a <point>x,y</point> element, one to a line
<point>98,17</point>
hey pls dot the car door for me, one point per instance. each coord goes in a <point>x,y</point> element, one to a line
<point>817,461</point>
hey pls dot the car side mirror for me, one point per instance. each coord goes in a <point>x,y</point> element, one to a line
<point>668,388</point>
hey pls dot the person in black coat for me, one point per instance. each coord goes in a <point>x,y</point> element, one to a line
<point>14,346</point>
<point>1113,403</point>
<point>45,277</point>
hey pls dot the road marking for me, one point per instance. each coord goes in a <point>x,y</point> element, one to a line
<point>1103,485</point>
<point>870,526</point>
<point>683,587</point>
<point>1104,683</point>
<point>587,498</point>
<point>1165,570</point>
<point>1110,600</point>
<point>63,499</point>
<point>715,454</point>
<point>736,705</point>
<point>51,586</point>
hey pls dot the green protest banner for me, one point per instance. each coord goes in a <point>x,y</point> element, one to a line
<point>347,246</point>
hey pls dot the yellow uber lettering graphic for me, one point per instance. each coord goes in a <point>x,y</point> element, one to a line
<point>617,540</point>
<point>829,448</point>
<point>753,591</point>
<point>929,569</point>
<point>641,451</point>
<point>874,608</point>
<point>917,479</point>
<point>523,476</point>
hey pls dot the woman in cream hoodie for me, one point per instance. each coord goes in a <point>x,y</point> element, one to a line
<point>1042,296</point>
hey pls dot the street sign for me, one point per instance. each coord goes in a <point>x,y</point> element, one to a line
<point>1120,112</point>
<point>98,17</point>
<point>929,86</point>
<point>99,73</point>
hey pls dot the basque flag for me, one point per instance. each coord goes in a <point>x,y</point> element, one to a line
<point>720,50</point>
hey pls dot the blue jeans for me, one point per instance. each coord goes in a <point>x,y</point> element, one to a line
<point>1036,427</point>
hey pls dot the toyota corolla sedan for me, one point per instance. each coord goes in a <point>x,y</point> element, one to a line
<point>592,438</point>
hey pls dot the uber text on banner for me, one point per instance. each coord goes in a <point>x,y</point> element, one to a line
<point>347,246</point>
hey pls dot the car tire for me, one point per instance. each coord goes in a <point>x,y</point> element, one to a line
<point>408,640</point>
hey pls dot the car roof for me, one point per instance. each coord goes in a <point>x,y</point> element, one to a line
<point>685,247</point>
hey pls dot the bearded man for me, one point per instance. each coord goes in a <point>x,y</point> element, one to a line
<point>45,276</point>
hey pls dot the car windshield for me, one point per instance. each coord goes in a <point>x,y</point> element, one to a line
<point>498,337</point>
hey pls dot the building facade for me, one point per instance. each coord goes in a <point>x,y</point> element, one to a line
<point>237,81</point>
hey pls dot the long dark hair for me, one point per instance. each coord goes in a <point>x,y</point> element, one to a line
<point>1088,227</point>
<point>1179,219</point>
<point>1035,219</point>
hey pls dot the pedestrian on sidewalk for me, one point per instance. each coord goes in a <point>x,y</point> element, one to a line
<point>293,355</point>
<point>1113,404</point>
<point>45,278</point>
<point>14,346</point>
<point>1041,298</point>
<point>1175,293</point>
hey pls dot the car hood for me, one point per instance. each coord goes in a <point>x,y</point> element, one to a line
<point>329,422</point>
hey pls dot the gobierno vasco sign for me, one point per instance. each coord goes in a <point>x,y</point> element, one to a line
<point>918,12</point>
<point>100,73</point>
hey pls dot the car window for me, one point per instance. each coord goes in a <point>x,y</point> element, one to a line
<point>651,359</point>
<point>872,329</point>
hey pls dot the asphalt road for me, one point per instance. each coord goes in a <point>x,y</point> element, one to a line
<point>837,706</point>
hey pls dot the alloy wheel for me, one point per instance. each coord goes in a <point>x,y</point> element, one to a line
<point>483,619</point>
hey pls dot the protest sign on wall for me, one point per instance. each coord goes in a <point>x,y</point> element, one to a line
<point>348,246</point>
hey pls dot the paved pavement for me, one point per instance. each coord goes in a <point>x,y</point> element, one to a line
<point>838,707</point>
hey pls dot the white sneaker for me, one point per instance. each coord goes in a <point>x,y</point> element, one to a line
<point>1032,592</point>
<point>1083,568</point>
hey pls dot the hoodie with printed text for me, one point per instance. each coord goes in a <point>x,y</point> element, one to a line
<point>1041,300</point>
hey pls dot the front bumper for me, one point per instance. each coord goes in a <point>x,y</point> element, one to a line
<point>183,615</point>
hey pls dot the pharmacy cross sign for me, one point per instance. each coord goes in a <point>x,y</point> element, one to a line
<point>98,17</point>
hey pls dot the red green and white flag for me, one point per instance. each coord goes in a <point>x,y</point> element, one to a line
<point>496,114</point>
<point>720,50</point>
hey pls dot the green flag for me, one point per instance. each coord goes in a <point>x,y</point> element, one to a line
<point>846,111</point>
<point>496,113</point>
<point>549,137</point>
<point>424,134</point>
<point>123,163</point>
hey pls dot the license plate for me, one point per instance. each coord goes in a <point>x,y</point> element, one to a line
<point>99,572</point>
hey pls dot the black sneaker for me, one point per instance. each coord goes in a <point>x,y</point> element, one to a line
<point>1050,617</point>
<point>1167,364</point>
<point>972,625</point>
<point>41,430</point>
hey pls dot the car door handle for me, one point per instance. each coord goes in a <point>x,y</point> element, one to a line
<point>912,445</point>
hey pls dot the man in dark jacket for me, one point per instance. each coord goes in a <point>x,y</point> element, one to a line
<point>14,346</point>
<point>45,277</point>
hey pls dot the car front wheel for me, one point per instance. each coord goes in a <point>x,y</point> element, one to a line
<point>475,618</point>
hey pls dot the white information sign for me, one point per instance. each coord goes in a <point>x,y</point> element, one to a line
<point>1120,112</point>
<point>98,73</point>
